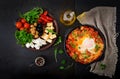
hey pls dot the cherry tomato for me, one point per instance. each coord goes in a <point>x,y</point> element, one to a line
<point>23,20</point>
<point>22,28</point>
<point>26,25</point>
<point>18,25</point>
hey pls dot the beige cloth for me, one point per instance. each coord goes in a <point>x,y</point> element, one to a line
<point>103,18</point>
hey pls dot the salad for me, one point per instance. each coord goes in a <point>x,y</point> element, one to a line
<point>35,29</point>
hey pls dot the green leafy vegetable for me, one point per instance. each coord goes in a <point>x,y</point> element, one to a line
<point>73,45</point>
<point>85,56</point>
<point>32,15</point>
<point>23,37</point>
<point>67,67</point>
<point>55,53</point>
<point>61,51</point>
<point>74,56</point>
<point>51,31</point>
<point>75,35</point>
<point>63,61</point>
<point>96,48</point>
<point>61,67</point>
<point>59,40</point>
<point>102,66</point>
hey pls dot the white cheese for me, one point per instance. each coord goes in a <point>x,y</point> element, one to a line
<point>49,40</point>
<point>27,45</point>
<point>50,24</point>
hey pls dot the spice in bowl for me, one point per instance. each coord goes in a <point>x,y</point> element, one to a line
<point>40,61</point>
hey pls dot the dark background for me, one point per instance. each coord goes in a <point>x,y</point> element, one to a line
<point>17,62</point>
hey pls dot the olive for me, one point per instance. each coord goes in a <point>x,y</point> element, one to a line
<point>39,28</point>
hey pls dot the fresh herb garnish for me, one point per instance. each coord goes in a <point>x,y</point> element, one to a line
<point>59,40</point>
<point>102,66</point>
<point>61,67</point>
<point>32,15</point>
<point>63,61</point>
<point>75,35</point>
<point>23,37</point>
<point>55,53</point>
<point>96,48</point>
<point>79,47</point>
<point>73,45</point>
<point>51,31</point>
<point>67,67</point>
<point>61,51</point>
<point>74,56</point>
<point>85,56</point>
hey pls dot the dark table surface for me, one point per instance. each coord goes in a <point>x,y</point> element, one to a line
<point>17,62</point>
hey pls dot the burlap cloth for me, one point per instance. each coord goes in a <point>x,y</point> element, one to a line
<point>103,18</point>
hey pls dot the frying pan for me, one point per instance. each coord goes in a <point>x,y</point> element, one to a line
<point>96,29</point>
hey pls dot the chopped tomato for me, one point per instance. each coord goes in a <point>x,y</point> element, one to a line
<point>18,25</point>
<point>26,25</point>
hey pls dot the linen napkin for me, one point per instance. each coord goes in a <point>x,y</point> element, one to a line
<point>104,18</point>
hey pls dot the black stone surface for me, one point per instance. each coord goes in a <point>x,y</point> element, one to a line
<point>18,63</point>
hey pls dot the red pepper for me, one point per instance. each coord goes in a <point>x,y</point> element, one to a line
<point>45,13</point>
<point>47,17</point>
<point>44,19</point>
<point>40,20</point>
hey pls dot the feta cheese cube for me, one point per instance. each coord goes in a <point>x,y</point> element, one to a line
<point>27,45</point>
<point>49,40</point>
<point>50,24</point>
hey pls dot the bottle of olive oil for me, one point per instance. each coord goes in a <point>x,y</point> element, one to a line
<point>68,17</point>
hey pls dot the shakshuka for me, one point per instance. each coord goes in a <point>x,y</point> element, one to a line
<point>84,44</point>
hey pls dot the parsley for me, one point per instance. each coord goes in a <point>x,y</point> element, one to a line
<point>59,40</point>
<point>73,45</point>
<point>63,61</point>
<point>74,56</point>
<point>61,67</point>
<point>85,56</point>
<point>102,66</point>
<point>55,53</point>
<point>96,48</point>
<point>61,51</point>
<point>23,37</point>
<point>51,31</point>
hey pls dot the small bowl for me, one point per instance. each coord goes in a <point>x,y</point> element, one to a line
<point>40,61</point>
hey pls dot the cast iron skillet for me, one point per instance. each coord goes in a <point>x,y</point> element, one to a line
<point>99,32</point>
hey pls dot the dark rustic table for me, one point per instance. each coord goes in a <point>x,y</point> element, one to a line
<point>17,62</point>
